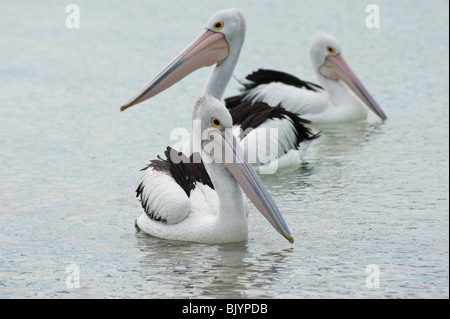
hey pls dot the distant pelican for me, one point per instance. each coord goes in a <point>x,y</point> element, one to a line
<point>221,44</point>
<point>342,97</point>
<point>203,201</point>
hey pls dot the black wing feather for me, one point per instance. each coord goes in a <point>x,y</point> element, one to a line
<point>263,76</point>
<point>185,171</point>
<point>251,115</point>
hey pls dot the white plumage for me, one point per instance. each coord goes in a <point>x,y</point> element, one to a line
<point>341,98</point>
<point>271,141</point>
<point>203,202</point>
<point>201,221</point>
<point>163,197</point>
<point>221,44</point>
<point>315,106</point>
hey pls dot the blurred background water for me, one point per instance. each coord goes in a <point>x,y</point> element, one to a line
<point>367,193</point>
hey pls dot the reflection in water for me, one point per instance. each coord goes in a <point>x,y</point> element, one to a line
<point>366,193</point>
<point>338,143</point>
<point>183,269</point>
<point>338,139</point>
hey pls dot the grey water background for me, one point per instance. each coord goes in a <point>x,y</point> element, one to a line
<point>367,193</point>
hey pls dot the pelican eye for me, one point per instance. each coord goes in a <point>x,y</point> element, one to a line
<point>218,26</point>
<point>215,122</point>
<point>331,50</point>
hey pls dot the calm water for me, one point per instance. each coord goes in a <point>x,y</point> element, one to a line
<point>367,194</point>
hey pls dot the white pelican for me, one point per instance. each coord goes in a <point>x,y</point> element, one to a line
<point>342,97</point>
<point>203,201</point>
<point>220,44</point>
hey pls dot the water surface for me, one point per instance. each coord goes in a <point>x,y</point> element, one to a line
<point>367,193</point>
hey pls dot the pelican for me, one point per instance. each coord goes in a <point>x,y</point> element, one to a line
<point>220,44</point>
<point>189,199</point>
<point>341,97</point>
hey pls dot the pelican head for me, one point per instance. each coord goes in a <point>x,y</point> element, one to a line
<point>326,56</point>
<point>230,23</point>
<point>219,145</point>
<point>211,114</point>
<point>222,39</point>
<point>322,46</point>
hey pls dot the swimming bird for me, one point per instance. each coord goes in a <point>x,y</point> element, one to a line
<point>200,198</point>
<point>341,97</point>
<point>268,134</point>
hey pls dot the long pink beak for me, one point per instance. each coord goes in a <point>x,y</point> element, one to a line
<point>224,148</point>
<point>207,49</point>
<point>336,68</point>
